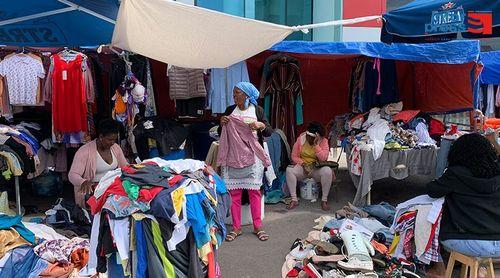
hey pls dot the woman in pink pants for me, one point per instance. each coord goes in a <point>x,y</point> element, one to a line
<point>242,157</point>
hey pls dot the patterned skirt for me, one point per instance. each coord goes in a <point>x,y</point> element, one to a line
<point>244,178</point>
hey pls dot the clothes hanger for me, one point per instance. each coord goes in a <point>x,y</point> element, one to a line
<point>22,50</point>
<point>70,54</point>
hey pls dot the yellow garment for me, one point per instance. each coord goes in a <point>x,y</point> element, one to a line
<point>308,153</point>
<point>10,239</point>
<point>394,244</point>
<point>151,143</point>
<point>13,163</point>
<point>204,251</point>
<point>178,198</point>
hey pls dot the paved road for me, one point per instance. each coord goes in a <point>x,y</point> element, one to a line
<point>248,257</point>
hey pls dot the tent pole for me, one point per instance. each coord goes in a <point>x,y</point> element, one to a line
<point>35,16</point>
<point>304,28</point>
<point>85,10</point>
<point>18,195</point>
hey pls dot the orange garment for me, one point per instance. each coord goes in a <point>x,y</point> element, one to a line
<point>405,116</point>
<point>57,271</point>
<point>120,105</point>
<point>379,247</point>
<point>79,258</point>
<point>493,123</point>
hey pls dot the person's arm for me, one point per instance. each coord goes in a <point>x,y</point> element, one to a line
<point>75,174</point>
<point>440,187</point>
<point>296,159</point>
<point>81,186</point>
<point>322,150</point>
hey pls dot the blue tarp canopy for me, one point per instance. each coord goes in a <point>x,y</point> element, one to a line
<point>53,23</point>
<point>491,70</point>
<point>441,20</point>
<point>453,52</point>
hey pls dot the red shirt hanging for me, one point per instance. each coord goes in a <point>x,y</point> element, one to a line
<point>69,105</point>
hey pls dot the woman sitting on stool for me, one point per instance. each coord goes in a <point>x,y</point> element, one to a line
<point>310,147</point>
<point>471,187</point>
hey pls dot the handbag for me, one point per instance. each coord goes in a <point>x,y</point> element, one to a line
<point>331,164</point>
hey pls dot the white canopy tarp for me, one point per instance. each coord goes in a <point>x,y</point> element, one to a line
<point>193,37</point>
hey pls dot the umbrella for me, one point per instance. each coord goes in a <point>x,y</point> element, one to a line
<point>52,23</point>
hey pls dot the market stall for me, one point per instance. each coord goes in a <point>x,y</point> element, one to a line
<point>53,44</point>
<point>415,75</point>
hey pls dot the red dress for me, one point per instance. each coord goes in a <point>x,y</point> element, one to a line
<point>69,103</point>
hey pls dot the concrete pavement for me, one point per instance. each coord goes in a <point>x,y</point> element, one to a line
<point>248,257</point>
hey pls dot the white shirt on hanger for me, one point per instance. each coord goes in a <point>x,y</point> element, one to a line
<point>22,73</point>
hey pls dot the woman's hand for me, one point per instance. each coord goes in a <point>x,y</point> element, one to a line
<point>257,126</point>
<point>317,140</point>
<point>224,120</point>
<point>86,187</point>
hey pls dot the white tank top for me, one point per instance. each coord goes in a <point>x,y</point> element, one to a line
<point>102,167</point>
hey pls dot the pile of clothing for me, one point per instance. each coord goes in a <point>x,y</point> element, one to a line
<point>19,149</point>
<point>158,219</point>
<point>369,241</point>
<point>36,250</point>
<point>68,219</point>
<point>387,128</point>
<point>416,229</point>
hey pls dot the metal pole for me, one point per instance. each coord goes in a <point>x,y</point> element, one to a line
<point>18,195</point>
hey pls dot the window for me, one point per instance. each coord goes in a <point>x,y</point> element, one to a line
<point>233,7</point>
<point>286,12</point>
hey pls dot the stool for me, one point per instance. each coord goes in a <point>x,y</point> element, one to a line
<point>469,265</point>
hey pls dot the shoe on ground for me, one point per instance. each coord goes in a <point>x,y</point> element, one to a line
<point>354,264</point>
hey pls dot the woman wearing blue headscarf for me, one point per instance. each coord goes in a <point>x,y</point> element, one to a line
<point>249,178</point>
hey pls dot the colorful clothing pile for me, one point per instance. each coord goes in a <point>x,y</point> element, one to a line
<point>36,250</point>
<point>19,149</point>
<point>387,128</point>
<point>416,229</point>
<point>159,218</point>
<point>324,249</point>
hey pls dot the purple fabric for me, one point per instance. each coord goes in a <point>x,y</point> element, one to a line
<point>238,146</point>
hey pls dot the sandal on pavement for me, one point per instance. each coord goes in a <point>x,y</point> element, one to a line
<point>233,235</point>
<point>262,235</point>
<point>292,205</point>
<point>325,206</point>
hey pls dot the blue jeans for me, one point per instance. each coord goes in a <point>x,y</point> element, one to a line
<point>474,248</point>
<point>383,212</point>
